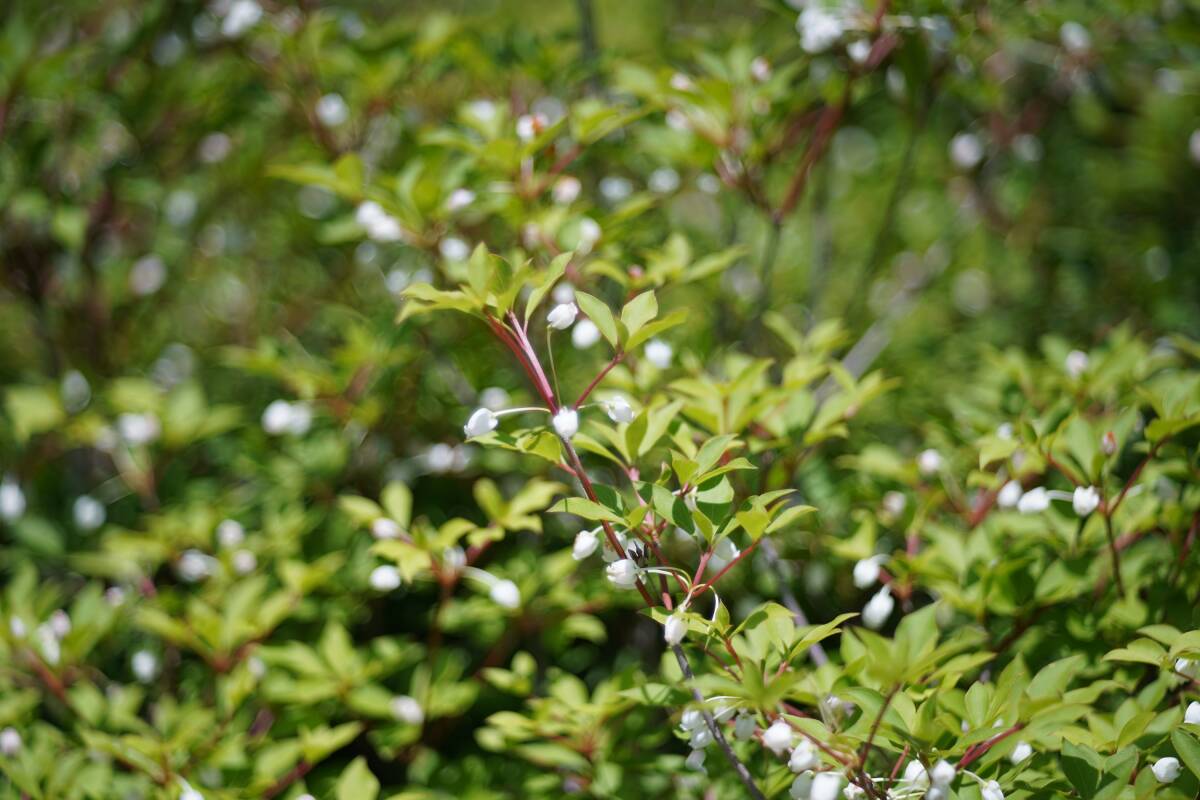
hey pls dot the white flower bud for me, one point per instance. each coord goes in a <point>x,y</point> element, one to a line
<point>332,110</point>
<point>894,503</point>
<point>48,644</point>
<point>277,417</point>
<point>459,199</point>
<point>701,738</point>
<point>530,125</point>
<point>674,629</point>
<point>1075,38</point>
<point>618,409</point>
<point>10,741</point>
<point>1034,501</point>
<point>1187,667</point>
<point>877,610</point>
<point>385,528</point>
<point>566,422</point>
<point>1076,363</point>
<point>852,792</point>
<point>936,793</point>
<point>505,593</point>
<point>744,727</point>
<point>778,737</point>
<point>565,190</point>
<point>144,665</point>
<point>943,773</point>
<point>1192,715</point>
<point>859,50</point>
<point>915,774</point>
<point>562,316</point>
<point>819,29</point>
<point>1009,495</point>
<point>801,788</point>
<point>138,429</point>
<point>585,334</point>
<point>385,578</point>
<point>826,786</point>
<point>966,151</point>
<point>929,461</point>
<point>1108,443</point>
<point>866,572</point>
<point>1166,770</point>
<point>244,562</point>
<point>241,17</point>
<point>12,500</point>
<point>1022,751</point>
<point>16,626</point>
<point>586,543</point>
<point>695,761</point>
<point>803,757</point>
<point>482,421</point>
<point>691,720</point>
<point>60,623</point>
<point>760,69</point>
<point>89,513</point>
<point>188,792</point>
<point>230,533</point>
<point>622,573</point>
<point>407,709</point>
<point>991,791</point>
<point>1085,500</point>
<point>658,353</point>
<point>194,566</point>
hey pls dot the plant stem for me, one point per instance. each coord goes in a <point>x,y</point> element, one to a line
<point>1116,558</point>
<point>616,359</point>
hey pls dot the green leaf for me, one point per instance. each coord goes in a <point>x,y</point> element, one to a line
<point>599,313</point>
<point>553,272</point>
<point>652,329</point>
<point>357,782</point>
<point>1188,748</point>
<point>587,509</point>
<point>638,311</point>
<point>1082,768</point>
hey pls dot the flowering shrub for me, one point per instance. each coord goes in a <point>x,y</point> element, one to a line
<point>794,402</point>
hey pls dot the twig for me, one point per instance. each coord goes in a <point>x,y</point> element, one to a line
<point>1116,558</point>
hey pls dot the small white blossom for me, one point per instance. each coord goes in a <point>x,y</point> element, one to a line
<point>230,533</point>
<point>674,629</point>
<point>379,225</point>
<point>244,562</point>
<point>826,786</point>
<point>915,774</point>
<point>778,737</point>
<point>332,110</point>
<point>877,610</point>
<point>385,578</point>
<point>566,422</point>
<point>803,757</point>
<point>482,421</point>
<point>589,233</point>
<point>48,644</point>
<point>114,596</point>
<point>966,151</point>
<point>385,528</point>
<point>618,409</point>
<point>147,276</point>
<point>241,17</point>
<point>818,28</point>
<point>859,50</point>
<point>691,720</point>
<point>1085,500</point>
<point>943,773</point>
<point>1108,443</point>
<point>585,544</point>
<point>1076,363</point>
<point>760,69</point>
<point>215,147</point>
<point>801,788</point>
<point>894,503</point>
<point>1166,770</point>
<point>929,461</point>
<point>60,623</point>
<point>407,709</point>
<point>585,334</point>
<point>1009,494</point>
<point>1192,715</point>
<point>530,125</point>
<point>622,573</point>
<point>10,741</point>
<point>744,727</point>
<point>459,199</point>
<point>144,665</point>
<point>454,558</point>
<point>695,761</point>
<point>866,572</point>
<point>700,738</point>
<point>194,566</point>
<point>16,626</point>
<point>454,249</point>
<point>663,180</point>
<point>562,316</point>
<point>991,791</point>
<point>1187,667</point>
<point>723,552</point>
<point>1022,751</point>
<point>658,353</point>
<point>1034,501</point>
<point>505,593</point>
<point>681,83</point>
<point>276,416</point>
<point>1075,38</point>
<point>614,188</point>
<point>138,429</point>
<point>12,500</point>
<point>566,190</point>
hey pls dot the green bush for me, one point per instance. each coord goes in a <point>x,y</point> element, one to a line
<point>604,399</point>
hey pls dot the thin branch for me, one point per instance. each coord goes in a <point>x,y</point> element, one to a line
<point>616,359</point>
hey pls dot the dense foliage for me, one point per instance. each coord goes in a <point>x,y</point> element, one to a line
<point>604,399</point>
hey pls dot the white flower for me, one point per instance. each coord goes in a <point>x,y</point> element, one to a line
<point>562,316</point>
<point>915,774</point>
<point>138,429</point>
<point>622,573</point>
<point>614,188</point>
<point>724,552</point>
<point>1194,145</point>
<point>663,180</point>
<point>877,610</point>
<point>894,503</point>
<point>929,461</point>
<point>194,566</point>
<point>530,125</point>
<point>12,500</point>
<point>332,110</point>
<point>60,623</point>
<point>459,199</point>
<point>566,189</point>
<point>16,626</point>
<point>1187,667</point>
<point>1075,38</point>
<point>378,224</point>
<point>585,544</point>
<point>674,629</point>
<point>10,741</point>
<point>701,738</point>
<point>144,665</point>
<point>1166,769</point>
<point>114,596</point>
<point>778,737</point>
<point>244,562</point>
<point>695,761</point>
<point>566,422</point>
<point>407,709</point>
<point>256,667</point>
<point>966,151</point>
<point>454,249</point>
<point>385,528</point>
<point>482,421</point>
<point>681,82</point>
<point>1108,443</point>
<point>744,727</point>
<point>454,558</point>
<point>589,233</point>
<point>1085,500</point>
<point>1034,501</point>
<point>300,419</point>
<point>147,276</point>
<point>691,720</point>
<point>818,29</point>
<point>1022,751</point>
<point>48,644</point>
<point>658,353</point>
<point>803,757</point>
<point>866,571</point>
<point>215,147</point>
<point>936,793</point>
<point>505,593</point>
<point>943,773</point>
<point>241,17</point>
<point>859,50</point>
<point>760,69</point>
<point>1076,363</point>
<point>991,791</point>
<point>826,786</point>
<point>1192,715</point>
<point>385,578</point>
<point>801,788</point>
<point>585,334</point>
<point>618,409</point>
<point>188,792</point>
<point>276,416</point>
<point>230,533</point>
<point>1009,494</point>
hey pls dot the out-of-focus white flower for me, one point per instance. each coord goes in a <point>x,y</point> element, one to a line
<point>88,512</point>
<point>681,82</point>
<point>658,353</point>
<point>1108,443</point>
<point>493,398</point>
<point>894,503</point>
<point>801,788</point>
<point>138,429</point>
<point>566,422</point>
<point>622,573</point>
<point>385,578</point>
<point>825,786</point>
<point>991,791</point>
<point>244,562</point>
<point>215,147</point>
<point>454,559</point>
<point>663,180</point>
<point>194,566</point>
<point>48,644</point>
<point>803,757</point>
<point>859,50</point>
<point>76,391</point>
<point>241,17</point>
<point>1166,770</point>
<point>566,190</point>
<point>407,709</point>
<point>454,249</point>
<point>929,461</point>
<point>1192,715</point>
<point>482,421</point>
<point>695,761</point>
<point>230,533</point>
<point>1034,501</point>
<point>12,500</point>
<point>915,774</point>
<point>614,188</point>
<point>114,596</point>
<point>966,150</point>
<point>1187,667</point>
<point>744,727</point>
<point>16,626</point>
<point>379,225</point>
<point>1194,145</point>
<point>584,334</point>
<point>1085,500</point>
<point>332,110</point>
<point>589,233</point>
<point>147,276</point>
<point>819,28</point>
<point>144,665</point>
<point>1009,494</point>
<point>877,610</point>
<point>300,419</point>
<point>852,792</point>
<point>1076,363</point>
<point>1075,38</point>
<point>866,571</point>
<point>674,629</point>
<point>760,69</point>
<point>505,593</point>
<point>724,552</point>
<point>943,773</point>
<point>256,667</point>
<point>10,741</point>
<point>385,528</point>
<point>459,199</point>
<point>691,720</point>
<point>585,544</point>
<point>1022,751</point>
<point>701,738</point>
<point>562,316</point>
<point>778,737</point>
<point>59,623</point>
<point>530,125</point>
<point>618,409</point>
<point>276,416</point>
